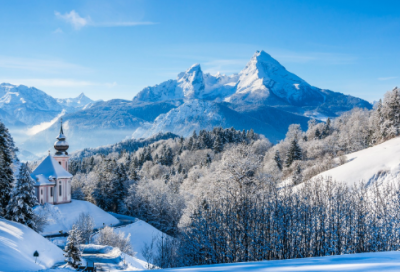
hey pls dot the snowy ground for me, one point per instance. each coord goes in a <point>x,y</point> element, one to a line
<point>141,233</point>
<point>17,245</point>
<point>107,258</point>
<point>379,163</point>
<point>363,262</point>
<point>63,216</point>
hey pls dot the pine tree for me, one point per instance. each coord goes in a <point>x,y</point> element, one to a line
<point>23,199</point>
<point>71,249</point>
<point>6,172</point>
<point>293,154</point>
<point>277,159</point>
<point>217,146</point>
<point>317,135</point>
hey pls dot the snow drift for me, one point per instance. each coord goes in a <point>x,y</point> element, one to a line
<point>17,245</point>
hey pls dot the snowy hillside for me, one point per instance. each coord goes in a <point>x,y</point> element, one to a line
<point>62,217</point>
<point>380,163</point>
<point>361,262</point>
<point>142,234</point>
<point>17,245</point>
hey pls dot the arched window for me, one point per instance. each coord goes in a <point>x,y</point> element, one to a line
<point>59,162</point>
<point>51,191</point>
<point>41,191</point>
<point>59,190</point>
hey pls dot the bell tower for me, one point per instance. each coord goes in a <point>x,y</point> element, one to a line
<point>61,146</point>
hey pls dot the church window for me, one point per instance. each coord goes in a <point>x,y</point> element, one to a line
<point>41,191</point>
<point>51,191</point>
<point>59,162</point>
<point>59,189</point>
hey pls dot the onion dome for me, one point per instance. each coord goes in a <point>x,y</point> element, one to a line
<point>61,145</point>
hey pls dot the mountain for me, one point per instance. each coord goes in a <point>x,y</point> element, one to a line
<point>22,105</point>
<point>263,82</point>
<point>199,114</point>
<point>79,102</point>
<point>192,84</point>
<point>264,96</point>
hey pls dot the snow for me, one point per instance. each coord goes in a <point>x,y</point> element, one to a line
<point>49,167</point>
<point>80,101</point>
<point>141,233</point>
<point>361,262</point>
<point>17,245</point>
<point>110,258</point>
<point>378,163</point>
<point>63,216</point>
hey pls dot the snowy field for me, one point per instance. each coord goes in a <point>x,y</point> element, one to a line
<point>63,216</point>
<point>378,163</point>
<point>362,262</point>
<point>17,245</point>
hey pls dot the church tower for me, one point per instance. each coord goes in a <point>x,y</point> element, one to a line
<point>61,146</point>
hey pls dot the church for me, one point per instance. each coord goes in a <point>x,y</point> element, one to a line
<point>52,179</point>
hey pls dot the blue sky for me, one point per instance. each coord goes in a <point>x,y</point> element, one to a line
<point>113,49</point>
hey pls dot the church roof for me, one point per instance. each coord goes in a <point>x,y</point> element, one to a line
<point>49,167</point>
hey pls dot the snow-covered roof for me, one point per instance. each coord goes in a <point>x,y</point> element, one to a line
<point>42,180</point>
<point>49,167</point>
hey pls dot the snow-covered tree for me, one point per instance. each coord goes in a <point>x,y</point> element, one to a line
<point>6,173</point>
<point>278,160</point>
<point>107,236</point>
<point>85,225</point>
<point>294,153</point>
<point>72,252</point>
<point>23,199</point>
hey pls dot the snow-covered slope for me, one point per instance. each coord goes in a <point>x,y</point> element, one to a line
<point>17,245</point>
<point>141,233</point>
<point>62,217</point>
<point>380,163</point>
<point>361,262</point>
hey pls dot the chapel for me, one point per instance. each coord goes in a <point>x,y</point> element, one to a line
<point>52,179</point>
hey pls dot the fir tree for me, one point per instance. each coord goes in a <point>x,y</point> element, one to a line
<point>218,146</point>
<point>23,199</point>
<point>317,134</point>
<point>71,249</point>
<point>293,154</point>
<point>6,172</point>
<point>297,175</point>
<point>277,159</point>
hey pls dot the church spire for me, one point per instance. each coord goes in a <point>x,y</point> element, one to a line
<point>61,145</point>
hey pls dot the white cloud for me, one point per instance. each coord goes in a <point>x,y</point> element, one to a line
<point>387,78</point>
<point>45,125</point>
<point>78,22</point>
<point>73,18</point>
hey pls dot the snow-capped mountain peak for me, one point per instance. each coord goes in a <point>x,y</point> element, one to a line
<point>78,102</point>
<point>264,78</point>
<point>191,82</point>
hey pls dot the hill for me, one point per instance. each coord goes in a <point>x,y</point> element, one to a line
<point>17,245</point>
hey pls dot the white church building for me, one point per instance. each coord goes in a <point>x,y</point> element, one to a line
<point>53,181</point>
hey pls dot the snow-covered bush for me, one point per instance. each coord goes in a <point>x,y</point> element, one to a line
<point>108,237</point>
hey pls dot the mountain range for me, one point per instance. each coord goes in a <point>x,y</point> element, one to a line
<point>264,96</point>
